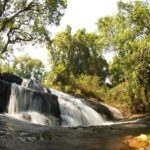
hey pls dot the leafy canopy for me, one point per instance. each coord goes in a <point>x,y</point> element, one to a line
<point>77,54</point>
<point>27,67</point>
<point>128,34</point>
<point>24,21</point>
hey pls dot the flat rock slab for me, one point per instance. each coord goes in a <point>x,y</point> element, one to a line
<point>19,135</point>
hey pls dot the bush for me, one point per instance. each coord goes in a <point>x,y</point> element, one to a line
<point>119,98</point>
<point>88,85</point>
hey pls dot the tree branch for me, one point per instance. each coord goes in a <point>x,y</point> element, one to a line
<point>29,7</point>
<point>4,49</point>
<point>140,21</point>
<point>3,7</point>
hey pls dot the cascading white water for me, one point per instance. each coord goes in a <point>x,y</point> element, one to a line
<point>74,111</point>
<point>27,105</point>
<point>34,86</point>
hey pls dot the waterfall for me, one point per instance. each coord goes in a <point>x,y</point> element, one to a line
<point>40,105</point>
<point>75,112</point>
<point>34,106</point>
<point>34,86</point>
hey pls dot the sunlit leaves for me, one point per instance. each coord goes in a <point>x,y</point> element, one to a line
<point>127,34</point>
<point>28,67</point>
<point>78,53</point>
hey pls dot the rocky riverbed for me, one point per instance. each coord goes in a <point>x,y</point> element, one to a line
<point>20,135</point>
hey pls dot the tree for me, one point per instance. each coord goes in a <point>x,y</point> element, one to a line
<point>87,55</point>
<point>78,54</point>
<point>23,21</point>
<point>116,72</point>
<point>6,68</point>
<point>27,67</point>
<point>128,34</point>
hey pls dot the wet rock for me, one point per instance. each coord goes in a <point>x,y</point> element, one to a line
<point>111,113</point>
<point>28,83</point>
<point>10,78</point>
<point>31,100</point>
<point>5,91</point>
<point>31,84</point>
<point>28,99</point>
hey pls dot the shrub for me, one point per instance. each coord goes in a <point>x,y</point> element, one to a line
<point>88,85</point>
<point>119,98</point>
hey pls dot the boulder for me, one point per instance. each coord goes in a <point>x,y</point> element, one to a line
<point>31,94</point>
<point>5,91</point>
<point>107,111</point>
<point>31,84</point>
<point>31,100</point>
<point>28,83</point>
<point>8,77</point>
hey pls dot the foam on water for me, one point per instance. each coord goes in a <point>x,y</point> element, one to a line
<point>33,106</point>
<point>75,112</point>
<point>36,118</point>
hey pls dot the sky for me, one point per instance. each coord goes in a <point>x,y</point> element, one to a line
<point>79,14</point>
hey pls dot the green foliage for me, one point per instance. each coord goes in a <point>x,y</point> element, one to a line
<point>6,63</point>
<point>88,85</point>
<point>78,65</point>
<point>27,20</point>
<point>56,76</point>
<point>78,54</point>
<point>116,72</point>
<point>118,97</point>
<point>128,34</point>
<point>27,67</point>
<point>6,68</point>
